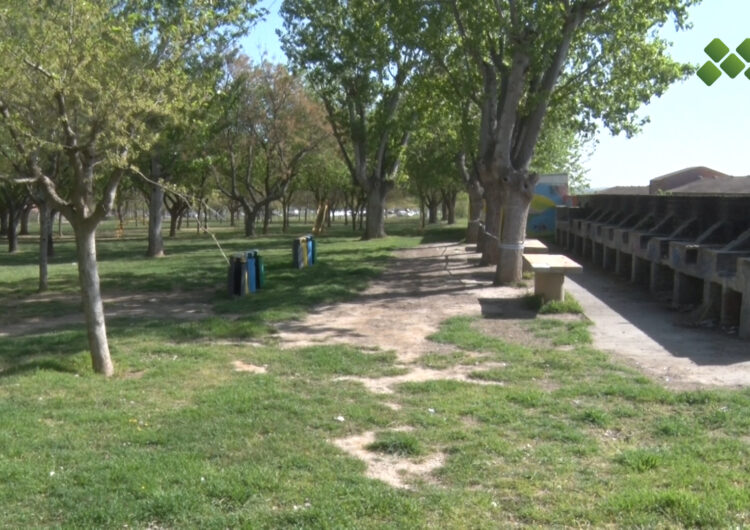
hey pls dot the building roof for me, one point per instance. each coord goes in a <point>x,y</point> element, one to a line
<point>624,190</point>
<point>696,172</point>
<point>724,186</point>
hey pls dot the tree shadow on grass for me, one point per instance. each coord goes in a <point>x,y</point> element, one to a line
<point>42,351</point>
<point>49,365</point>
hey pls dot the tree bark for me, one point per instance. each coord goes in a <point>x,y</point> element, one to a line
<point>266,217</point>
<point>45,237</point>
<point>475,211</point>
<point>50,238</point>
<point>3,222</point>
<point>320,217</point>
<point>155,208</point>
<point>490,236</point>
<point>250,218</point>
<point>517,195</point>
<point>13,220</point>
<point>375,227</point>
<point>93,308</point>
<point>449,206</point>
<point>432,207</point>
<point>452,211</point>
<point>25,213</point>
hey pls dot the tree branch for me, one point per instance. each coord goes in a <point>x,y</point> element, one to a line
<point>509,104</point>
<point>530,130</point>
<point>49,75</point>
<point>470,50</point>
<point>337,135</point>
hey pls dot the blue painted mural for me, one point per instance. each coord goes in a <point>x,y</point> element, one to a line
<point>550,191</point>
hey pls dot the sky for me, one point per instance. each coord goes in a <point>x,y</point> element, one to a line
<point>690,125</point>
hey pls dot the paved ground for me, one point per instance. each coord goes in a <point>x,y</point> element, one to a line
<point>630,324</point>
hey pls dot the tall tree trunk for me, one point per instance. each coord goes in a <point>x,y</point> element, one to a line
<point>25,213</point>
<point>449,200</point>
<point>13,219</point>
<point>45,237</point>
<point>173,225</point>
<point>266,217</point>
<point>376,210</point>
<point>120,209</point>
<point>475,211</point>
<point>155,208</point>
<point>3,222</point>
<point>250,217</point>
<point>432,207</point>
<point>93,308</point>
<point>517,197</point>
<point>320,217</point>
<point>50,239</point>
<point>355,215</point>
<point>490,236</point>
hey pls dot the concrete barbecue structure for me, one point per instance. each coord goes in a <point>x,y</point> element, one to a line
<point>690,246</point>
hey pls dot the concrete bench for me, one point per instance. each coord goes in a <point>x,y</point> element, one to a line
<point>533,246</point>
<point>549,273</point>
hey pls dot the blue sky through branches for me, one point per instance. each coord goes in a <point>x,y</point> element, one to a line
<point>691,124</point>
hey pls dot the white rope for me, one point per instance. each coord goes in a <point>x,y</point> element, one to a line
<point>190,201</point>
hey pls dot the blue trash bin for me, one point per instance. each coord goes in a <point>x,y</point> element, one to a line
<point>310,243</point>
<point>251,264</point>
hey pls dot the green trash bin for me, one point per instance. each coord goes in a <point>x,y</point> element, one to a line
<point>252,270</point>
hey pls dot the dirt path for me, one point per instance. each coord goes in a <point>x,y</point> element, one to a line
<point>421,288</point>
<point>426,285</point>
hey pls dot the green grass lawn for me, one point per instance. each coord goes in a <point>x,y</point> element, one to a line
<point>177,439</point>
